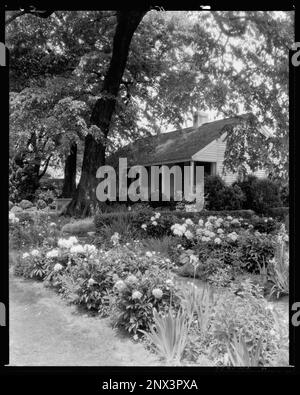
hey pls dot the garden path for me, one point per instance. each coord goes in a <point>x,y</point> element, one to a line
<point>46,331</point>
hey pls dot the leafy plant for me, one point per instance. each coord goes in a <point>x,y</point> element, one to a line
<point>169,335</point>
<point>242,310</point>
<point>134,303</point>
<point>198,305</point>
<point>240,354</point>
<point>279,270</point>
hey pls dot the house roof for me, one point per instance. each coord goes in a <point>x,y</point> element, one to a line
<point>178,145</point>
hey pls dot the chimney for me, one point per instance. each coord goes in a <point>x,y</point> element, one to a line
<point>199,118</point>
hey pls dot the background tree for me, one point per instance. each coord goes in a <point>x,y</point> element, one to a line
<point>176,63</point>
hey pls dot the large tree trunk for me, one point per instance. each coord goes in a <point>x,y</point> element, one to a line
<point>85,201</point>
<point>69,186</point>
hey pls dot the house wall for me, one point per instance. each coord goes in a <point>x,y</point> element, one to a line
<point>214,152</point>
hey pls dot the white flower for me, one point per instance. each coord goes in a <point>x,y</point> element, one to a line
<point>144,226</point>
<point>129,208</point>
<point>131,279</point>
<point>204,238</point>
<point>52,224</point>
<point>217,240</point>
<point>211,218</point>
<point>220,231</point>
<point>157,293</point>
<point>169,283</point>
<point>189,235</point>
<point>120,285</point>
<point>73,240</point>
<point>148,254</point>
<point>154,223</point>
<point>152,219</point>
<point>115,238</point>
<point>199,231</point>
<point>235,222</point>
<point>91,282</point>
<point>57,267</point>
<point>273,332</point>
<point>90,249</point>
<point>229,218</point>
<point>157,215</point>
<point>285,238</point>
<point>194,259</point>
<point>208,225</point>
<point>13,219</point>
<point>189,221</point>
<point>77,249</point>
<point>232,236</point>
<point>136,295</point>
<point>25,255</point>
<point>52,254</point>
<point>67,243</point>
<point>35,252</point>
<point>178,229</point>
<point>200,222</point>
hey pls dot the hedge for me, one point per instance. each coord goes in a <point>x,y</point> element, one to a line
<point>279,212</point>
<point>139,217</point>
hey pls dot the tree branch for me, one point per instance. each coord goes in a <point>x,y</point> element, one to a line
<point>14,16</point>
<point>32,10</point>
<point>45,167</point>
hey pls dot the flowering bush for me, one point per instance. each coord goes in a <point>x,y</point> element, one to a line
<point>155,225</point>
<point>242,310</point>
<point>32,229</point>
<point>230,240</point>
<point>137,296</point>
<point>31,265</point>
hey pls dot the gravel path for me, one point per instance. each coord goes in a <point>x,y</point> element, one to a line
<point>45,331</point>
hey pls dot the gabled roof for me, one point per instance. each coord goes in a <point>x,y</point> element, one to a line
<point>179,145</point>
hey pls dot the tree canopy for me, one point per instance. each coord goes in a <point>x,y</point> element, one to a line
<point>177,62</point>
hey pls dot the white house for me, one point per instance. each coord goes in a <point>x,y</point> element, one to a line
<point>203,144</point>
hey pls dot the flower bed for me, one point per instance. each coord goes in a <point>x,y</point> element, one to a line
<point>134,284</point>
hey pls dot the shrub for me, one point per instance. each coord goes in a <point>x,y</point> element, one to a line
<point>41,204</point>
<point>47,195</point>
<point>264,225</point>
<point>25,204</point>
<point>247,185</point>
<point>279,213</point>
<point>243,311</point>
<point>261,195</point>
<point>220,196</point>
<point>266,196</point>
<point>136,298</point>
<point>33,229</point>
<point>164,222</point>
<point>285,194</point>
<point>164,245</point>
<point>255,251</point>
<point>213,187</point>
<point>31,265</point>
